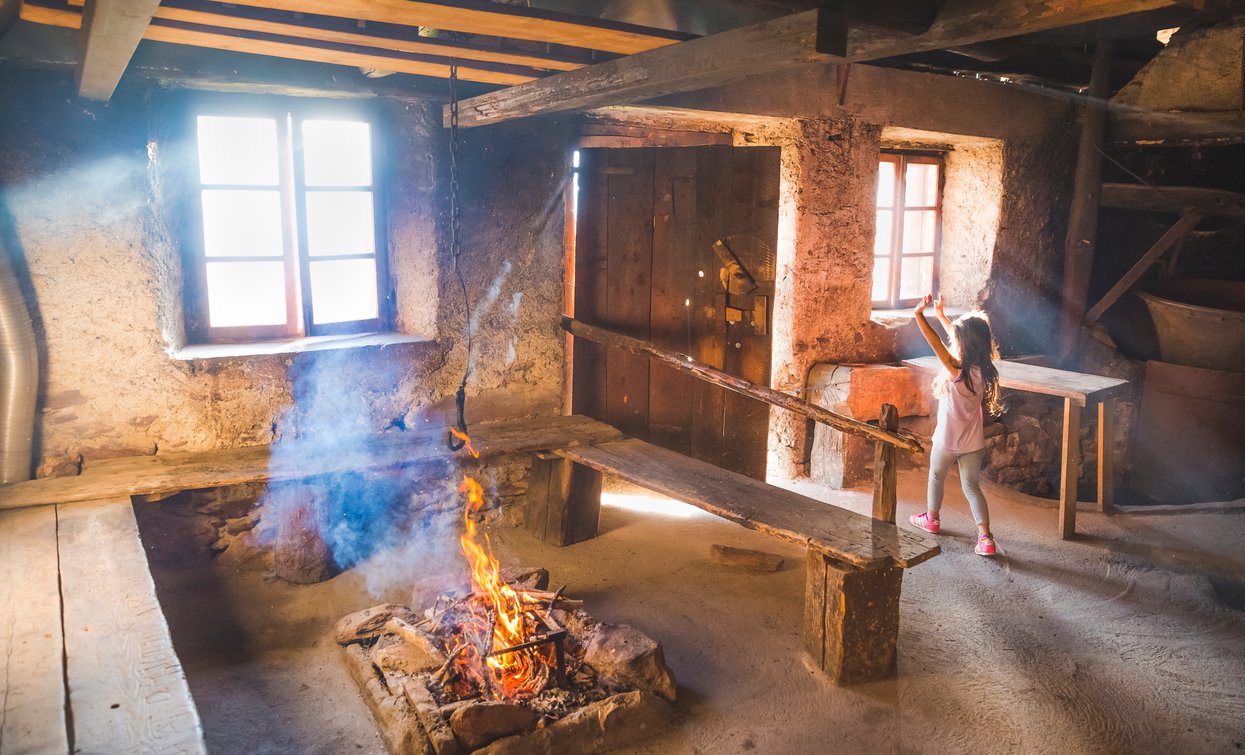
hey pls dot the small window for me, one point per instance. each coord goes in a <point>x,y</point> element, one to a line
<point>289,227</point>
<point>909,225</point>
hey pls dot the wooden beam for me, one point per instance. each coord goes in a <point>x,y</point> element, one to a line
<point>700,370</point>
<point>1176,129</point>
<point>885,482</point>
<point>1069,468</point>
<point>8,14</point>
<point>490,19</point>
<point>298,48</point>
<point>1173,199</point>
<point>1187,223</point>
<point>775,45</point>
<point>111,30</point>
<point>1082,236</point>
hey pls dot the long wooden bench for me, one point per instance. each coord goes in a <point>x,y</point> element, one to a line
<point>854,564</point>
<point>89,663</point>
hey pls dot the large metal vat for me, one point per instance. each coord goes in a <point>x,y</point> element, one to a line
<point>1200,323</point>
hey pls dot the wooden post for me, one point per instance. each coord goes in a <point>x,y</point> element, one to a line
<point>1106,471</point>
<point>851,619</point>
<point>1078,258</point>
<point>884,468</point>
<point>563,500</point>
<point>1071,468</point>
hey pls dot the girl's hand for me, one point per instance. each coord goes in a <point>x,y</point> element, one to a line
<point>922,304</point>
<point>938,307</point>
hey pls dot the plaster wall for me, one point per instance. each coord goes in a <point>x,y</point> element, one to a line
<point>1200,69</point>
<point>87,218</point>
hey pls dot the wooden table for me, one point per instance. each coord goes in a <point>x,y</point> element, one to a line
<point>1078,390</point>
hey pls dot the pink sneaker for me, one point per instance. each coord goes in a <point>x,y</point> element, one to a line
<point>985,545</point>
<point>925,522</point>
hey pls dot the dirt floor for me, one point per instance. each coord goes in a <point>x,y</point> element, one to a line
<point>1130,638</point>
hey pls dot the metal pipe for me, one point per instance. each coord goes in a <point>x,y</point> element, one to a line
<point>19,376</point>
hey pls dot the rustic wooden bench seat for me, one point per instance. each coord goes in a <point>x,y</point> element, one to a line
<point>854,563</point>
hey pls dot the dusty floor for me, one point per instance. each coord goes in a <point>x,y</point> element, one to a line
<point>1129,639</point>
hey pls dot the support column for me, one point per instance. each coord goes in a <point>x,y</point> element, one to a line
<point>1071,468</point>
<point>851,619</point>
<point>1106,455</point>
<point>563,500</point>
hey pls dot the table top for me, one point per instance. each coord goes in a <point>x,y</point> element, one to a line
<point>1078,386</point>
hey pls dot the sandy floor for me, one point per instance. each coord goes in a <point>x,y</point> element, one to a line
<point>1129,639</point>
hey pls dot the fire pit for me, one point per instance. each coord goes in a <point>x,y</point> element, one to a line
<point>505,667</point>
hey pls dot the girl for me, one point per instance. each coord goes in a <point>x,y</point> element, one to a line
<point>966,389</point>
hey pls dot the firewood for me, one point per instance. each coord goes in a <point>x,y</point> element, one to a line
<point>410,634</point>
<point>747,559</point>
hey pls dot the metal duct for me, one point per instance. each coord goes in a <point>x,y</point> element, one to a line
<point>19,376</point>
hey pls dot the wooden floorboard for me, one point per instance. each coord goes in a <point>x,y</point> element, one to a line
<point>837,532</point>
<point>168,473</point>
<point>127,690</point>
<point>32,718</point>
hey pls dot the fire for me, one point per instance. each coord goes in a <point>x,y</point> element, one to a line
<point>501,618</point>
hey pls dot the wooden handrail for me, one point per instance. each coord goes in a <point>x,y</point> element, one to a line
<point>700,370</point>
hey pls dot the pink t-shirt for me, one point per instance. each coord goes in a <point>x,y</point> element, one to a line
<point>961,425</point>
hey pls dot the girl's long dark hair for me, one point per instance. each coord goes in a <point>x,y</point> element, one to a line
<point>975,347</point>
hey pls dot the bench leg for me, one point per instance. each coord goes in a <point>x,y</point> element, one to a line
<point>563,500</point>
<point>851,619</point>
<point>1106,459</point>
<point>1070,468</point>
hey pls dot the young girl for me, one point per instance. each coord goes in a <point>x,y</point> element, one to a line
<point>966,389</point>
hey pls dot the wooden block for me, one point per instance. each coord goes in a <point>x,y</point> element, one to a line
<point>32,714</point>
<point>1106,459</point>
<point>747,559</point>
<point>563,500</point>
<point>1070,469</point>
<point>127,691</point>
<point>851,619</point>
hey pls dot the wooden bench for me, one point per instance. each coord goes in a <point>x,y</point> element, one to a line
<point>90,666</point>
<point>854,563</point>
<point>1077,390</point>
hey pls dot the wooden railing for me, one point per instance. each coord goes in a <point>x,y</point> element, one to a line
<point>887,434</point>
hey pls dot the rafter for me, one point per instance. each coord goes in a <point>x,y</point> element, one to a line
<point>111,30</point>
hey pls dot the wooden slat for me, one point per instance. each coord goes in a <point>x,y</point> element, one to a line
<point>775,45</point>
<point>1187,223</point>
<point>491,19</point>
<point>1173,199</point>
<point>1172,129</point>
<point>1077,386</point>
<point>127,690</point>
<point>111,30</point>
<point>298,48</point>
<point>32,700</point>
<point>836,532</point>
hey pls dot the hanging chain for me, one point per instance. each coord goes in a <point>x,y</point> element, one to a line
<point>460,398</point>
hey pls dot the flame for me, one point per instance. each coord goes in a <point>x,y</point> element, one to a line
<point>466,442</point>
<point>501,617</point>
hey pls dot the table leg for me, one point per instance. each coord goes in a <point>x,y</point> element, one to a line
<point>1106,440</point>
<point>1070,471</point>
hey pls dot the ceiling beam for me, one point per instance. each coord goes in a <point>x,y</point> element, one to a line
<point>1175,128</point>
<point>296,47</point>
<point>8,14</point>
<point>785,42</point>
<point>1173,199</point>
<point>111,30</point>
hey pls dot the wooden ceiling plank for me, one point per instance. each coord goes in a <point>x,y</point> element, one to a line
<point>111,30</point>
<point>1175,128</point>
<point>288,47</point>
<point>775,45</point>
<point>491,19</point>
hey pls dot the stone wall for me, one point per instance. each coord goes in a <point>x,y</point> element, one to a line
<point>1200,69</point>
<point>87,219</point>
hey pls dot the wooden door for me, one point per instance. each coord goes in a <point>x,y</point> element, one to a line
<point>646,266</point>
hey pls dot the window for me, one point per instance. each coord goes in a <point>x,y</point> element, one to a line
<point>905,247</point>
<point>289,227</point>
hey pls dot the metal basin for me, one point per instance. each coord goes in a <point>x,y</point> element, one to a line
<point>1200,323</point>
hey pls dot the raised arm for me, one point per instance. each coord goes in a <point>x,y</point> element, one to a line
<point>942,316</point>
<point>935,343</point>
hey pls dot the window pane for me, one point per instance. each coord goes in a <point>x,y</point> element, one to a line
<point>246,294</point>
<point>241,223</point>
<point>916,277</point>
<point>237,151</point>
<point>337,153</point>
<point>918,231</point>
<point>881,278</point>
<point>886,184</point>
<point>921,185</point>
<point>343,290</point>
<point>885,232</point>
<point>340,222</point>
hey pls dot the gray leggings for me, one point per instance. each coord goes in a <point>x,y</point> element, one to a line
<point>970,479</point>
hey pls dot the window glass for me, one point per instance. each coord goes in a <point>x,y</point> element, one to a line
<point>881,278</point>
<point>918,231</point>
<point>340,222</point>
<point>886,184</point>
<point>238,151</point>
<point>921,185</point>
<point>246,294</point>
<point>337,153</point>
<point>343,290</point>
<point>884,236</point>
<point>916,277</point>
<point>240,223</point>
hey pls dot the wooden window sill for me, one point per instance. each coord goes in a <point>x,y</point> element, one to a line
<point>292,346</point>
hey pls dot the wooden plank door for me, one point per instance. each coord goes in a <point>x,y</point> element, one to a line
<point>645,266</point>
